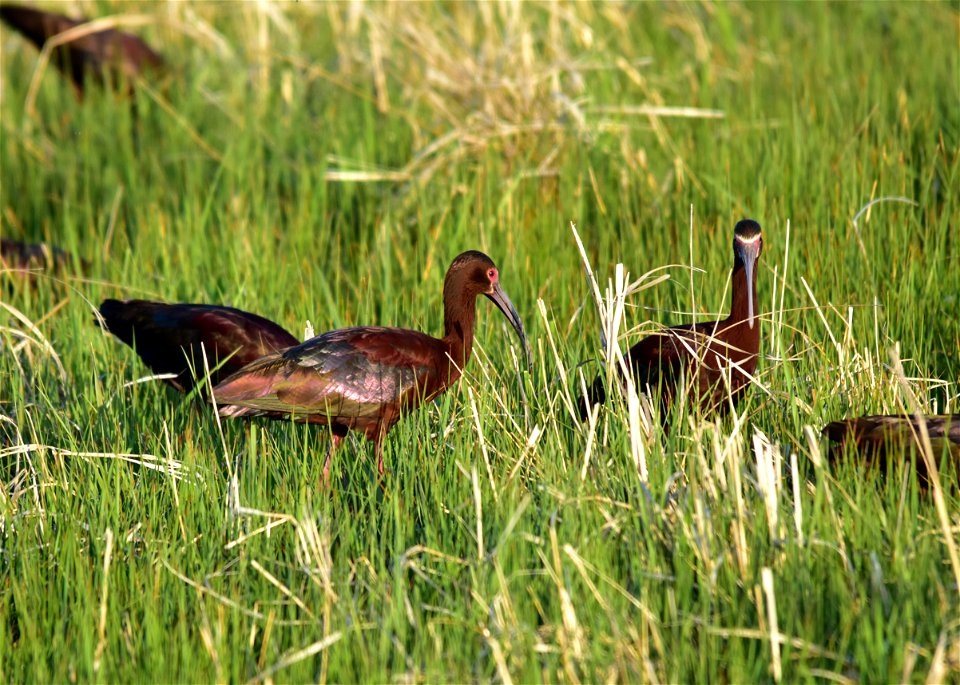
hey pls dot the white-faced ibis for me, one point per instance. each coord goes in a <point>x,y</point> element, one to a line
<point>168,337</point>
<point>883,437</point>
<point>704,352</point>
<point>27,258</point>
<point>365,378</point>
<point>121,55</point>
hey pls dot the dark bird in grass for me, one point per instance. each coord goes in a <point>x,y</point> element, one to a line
<point>172,338</point>
<point>22,263</point>
<point>365,378</point>
<point>883,438</point>
<point>107,55</point>
<point>703,353</point>
<point>26,259</point>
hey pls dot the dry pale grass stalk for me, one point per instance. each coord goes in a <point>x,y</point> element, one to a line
<point>498,657</point>
<point>528,448</point>
<point>777,311</point>
<point>314,552</point>
<point>273,580</point>
<point>483,442</point>
<point>571,636</point>
<point>173,482</point>
<point>591,435</point>
<point>823,480</point>
<point>231,472</point>
<point>266,528</point>
<point>181,121</point>
<point>740,522</point>
<point>497,389</point>
<point>611,308</point>
<point>768,479</point>
<point>766,576</point>
<point>13,489</point>
<point>660,111</point>
<point>650,618</point>
<point>858,374</point>
<point>797,507</point>
<point>195,26</point>
<point>173,468</point>
<point>781,639</point>
<point>148,379</point>
<point>297,656</point>
<point>204,590</point>
<point>938,669</point>
<point>478,507</point>
<point>566,395</point>
<point>867,209</point>
<point>641,428</point>
<point>36,338</point>
<point>468,77</point>
<point>102,624</point>
<point>930,460</point>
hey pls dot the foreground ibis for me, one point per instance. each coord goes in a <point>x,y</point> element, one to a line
<point>365,378</point>
<point>171,338</point>
<point>886,437</point>
<point>704,352</point>
<point>107,55</point>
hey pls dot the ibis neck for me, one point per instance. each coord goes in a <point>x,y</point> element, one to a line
<point>740,305</point>
<point>459,317</point>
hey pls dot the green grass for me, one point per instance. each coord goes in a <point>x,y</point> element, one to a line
<point>483,557</point>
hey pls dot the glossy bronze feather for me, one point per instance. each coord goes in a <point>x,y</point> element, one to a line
<point>884,437</point>
<point>703,352</point>
<point>106,56</point>
<point>365,378</point>
<point>169,337</point>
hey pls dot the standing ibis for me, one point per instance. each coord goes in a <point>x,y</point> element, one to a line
<point>365,378</point>
<point>704,352</point>
<point>106,55</point>
<point>883,437</point>
<point>171,338</point>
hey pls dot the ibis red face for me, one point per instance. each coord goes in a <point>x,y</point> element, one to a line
<point>747,246</point>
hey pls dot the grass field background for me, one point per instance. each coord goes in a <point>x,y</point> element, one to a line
<point>326,162</point>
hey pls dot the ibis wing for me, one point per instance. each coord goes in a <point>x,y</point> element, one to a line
<point>658,357</point>
<point>354,372</point>
<point>168,337</point>
<point>248,337</point>
<point>876,430</point>
<point>35,25</point>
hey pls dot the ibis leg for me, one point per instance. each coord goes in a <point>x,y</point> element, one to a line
<point>334,443</point>
<point>379,452</point>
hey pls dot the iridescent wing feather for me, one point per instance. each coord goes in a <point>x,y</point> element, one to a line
<point>348,373</point>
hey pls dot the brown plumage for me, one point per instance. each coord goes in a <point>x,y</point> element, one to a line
<point>26,259</point>
<point>704,352</point>
<point>169,337</point>
<point>365,378</point>
<point>884,437</point>
<point>108,55</point>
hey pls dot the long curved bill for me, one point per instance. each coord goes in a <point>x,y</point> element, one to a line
<point>748,251</point>
<point>499,298</point>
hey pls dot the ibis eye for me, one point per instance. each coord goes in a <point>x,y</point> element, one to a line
<point>491,274</point>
